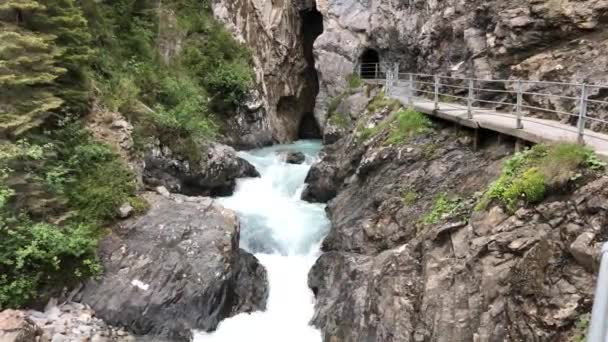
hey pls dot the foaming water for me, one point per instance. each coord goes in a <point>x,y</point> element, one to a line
<point>284,233</point>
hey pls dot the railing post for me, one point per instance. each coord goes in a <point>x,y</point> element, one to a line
<point>411,97</point>
<point>470,100</point>
<point>436,92</point>
<point>599,313</point>
<point>582,116</point>
<point>518,106</point>
<point>376,71</point>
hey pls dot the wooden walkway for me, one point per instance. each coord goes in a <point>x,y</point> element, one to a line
<point>534,130</point>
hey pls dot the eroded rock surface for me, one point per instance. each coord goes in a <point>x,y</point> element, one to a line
<point>177,268</point>
<point>214,174</point>
<point>273,32</point>
<point>391,274</point>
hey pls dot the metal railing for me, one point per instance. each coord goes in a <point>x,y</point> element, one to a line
<point>569,103</point>
<point>371,71</point>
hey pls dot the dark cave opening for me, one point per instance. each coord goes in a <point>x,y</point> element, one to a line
<point>311,28</point>
<point>369,64</point>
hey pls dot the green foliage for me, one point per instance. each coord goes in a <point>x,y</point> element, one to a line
<point>43,61</point>
<point>380,102</point>
<point>354,81</point>
<point>230,82</point>
<point>442,208</point>
<point>81,183</point>
<point>334,103</point>
<point>175,99</point>
<point>36,256</point>
<point>579,334</point>
<point>28,66</point>
<point>88,175</point>
<point>408,124</point>
<point>410,197</point>
<point>528,175</point>
<point>429,150</point>
<point>530,187</point>
<point>183,109</point>
<point>64,19</point>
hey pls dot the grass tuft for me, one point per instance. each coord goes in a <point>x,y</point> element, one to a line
<point>528,175</point>
<point>408,124</point>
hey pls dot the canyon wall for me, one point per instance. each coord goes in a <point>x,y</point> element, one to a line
<point>274,33</point>
<point>552,40</point>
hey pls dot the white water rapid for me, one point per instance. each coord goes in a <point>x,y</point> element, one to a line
<point>284,233</point>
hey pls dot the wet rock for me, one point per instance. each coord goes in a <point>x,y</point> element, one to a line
<point>214,174</point>
<point>175,269</point>
<point>321,183</point>
<point>15,326</point>
<point>293,157</point>
<point>250,291</point>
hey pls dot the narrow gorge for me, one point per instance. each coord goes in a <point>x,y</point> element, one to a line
<point>224,171</point>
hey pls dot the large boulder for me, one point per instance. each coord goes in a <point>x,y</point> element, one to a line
<point>321,183</point>
<point>291,157</point>
<point>177,268</point>
<point>214,174</point>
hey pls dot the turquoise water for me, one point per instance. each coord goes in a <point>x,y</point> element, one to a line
<point>284,233</point>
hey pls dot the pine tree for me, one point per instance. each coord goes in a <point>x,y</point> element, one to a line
<point>28,66</point>
<point>65,20</point>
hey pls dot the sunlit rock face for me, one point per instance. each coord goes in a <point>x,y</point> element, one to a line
<point>278,34</point>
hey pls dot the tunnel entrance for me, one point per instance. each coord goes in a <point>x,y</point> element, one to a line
<point>311,28</point>
<point>369,64</point>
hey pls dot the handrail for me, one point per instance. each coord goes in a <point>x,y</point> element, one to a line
<point>513,90</point>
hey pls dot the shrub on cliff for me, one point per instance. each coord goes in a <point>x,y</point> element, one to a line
<point>408,124</point>
<point>529,175</point>
<point>55,194</point>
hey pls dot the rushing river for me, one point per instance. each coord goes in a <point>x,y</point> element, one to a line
<point>284,233</point>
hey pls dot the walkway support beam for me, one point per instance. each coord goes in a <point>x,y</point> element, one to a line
<point>599,316</point>
<point>582,116</point>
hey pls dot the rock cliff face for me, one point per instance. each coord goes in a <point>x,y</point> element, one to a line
<point>394,272</point>
<point>280,35</point>
<point>553,40</point>
<point>540,40</point>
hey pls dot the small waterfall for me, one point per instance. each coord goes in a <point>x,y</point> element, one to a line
<point>284,233</point>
